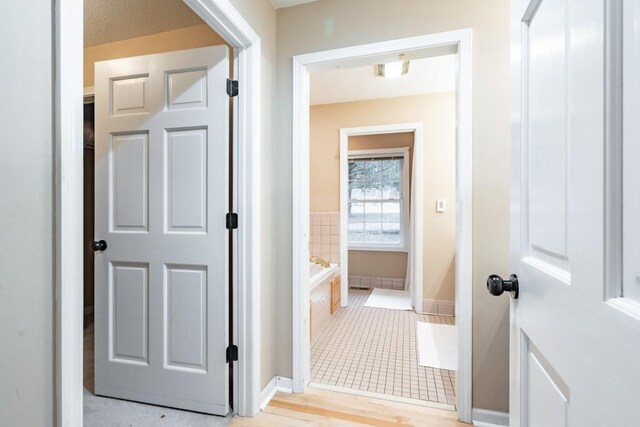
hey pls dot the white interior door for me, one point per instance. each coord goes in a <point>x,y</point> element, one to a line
<point>162,186</point>
<point>575,328</point>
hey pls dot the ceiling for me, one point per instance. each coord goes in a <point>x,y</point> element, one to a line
<point>428,75</point>
<point>107,21</point>
<point>279,4</point>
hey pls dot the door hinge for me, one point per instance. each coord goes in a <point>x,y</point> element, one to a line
<point>232,221</point>
<point>232,353</point>
<point>232,88</point>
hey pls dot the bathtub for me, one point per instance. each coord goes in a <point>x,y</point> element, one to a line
<point>319,274</point>
<point>320,296</point>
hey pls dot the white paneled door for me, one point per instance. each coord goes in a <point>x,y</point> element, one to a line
<point>575,326</point>
<point>162,194</point>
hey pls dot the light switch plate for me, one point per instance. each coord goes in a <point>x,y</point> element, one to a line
<point>440,206</point>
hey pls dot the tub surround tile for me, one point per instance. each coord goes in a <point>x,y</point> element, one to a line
<point>324,235</point>
<point>396,283</point>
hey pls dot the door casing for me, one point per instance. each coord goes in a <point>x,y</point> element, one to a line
<point>229,23</point>
<point>437,43</point>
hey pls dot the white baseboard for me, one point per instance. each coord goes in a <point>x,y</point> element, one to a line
<point>486,418</point>
<point>282,384</point>
<point>438,307</point>
<point>267,393</point>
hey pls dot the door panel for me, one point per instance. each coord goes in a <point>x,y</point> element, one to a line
<point>186,181</point>
<point>129,291</point>
<point>162,193</point>
<point>631,153</point>
<point>129,185</point>
<point>185,317</point>
<point>546,405</point>
<point>574,351</point>
<point>547,138</point>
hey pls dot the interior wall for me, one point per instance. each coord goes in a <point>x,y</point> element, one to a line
<point>437,114</point>
<point>261,16</point>
<point>183,38</point>
<point>331,24</point>
<point>27,311</point>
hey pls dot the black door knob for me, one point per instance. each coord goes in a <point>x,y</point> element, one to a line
<point>496,285</point>
<point>98,245</point>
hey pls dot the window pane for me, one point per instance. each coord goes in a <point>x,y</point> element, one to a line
<point>373,191</point>
<point>391,223</point>
<point>370,220</point>
<point>357,170</point>
<point>356,191</point>
<point>373,222</point>
<point>391,179</point>
<point>356,222</point>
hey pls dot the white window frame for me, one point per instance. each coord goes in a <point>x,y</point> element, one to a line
<point>404,217</point>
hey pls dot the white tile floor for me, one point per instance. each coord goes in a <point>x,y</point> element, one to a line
<point>374,350</point>
<point>106,412</point>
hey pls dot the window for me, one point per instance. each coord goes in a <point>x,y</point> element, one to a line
<point>378,199</point>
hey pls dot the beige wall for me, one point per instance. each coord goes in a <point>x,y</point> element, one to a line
<point>184,38</point>
<point>378,264</point>
<point>330,24</point>
<point>437,114</point>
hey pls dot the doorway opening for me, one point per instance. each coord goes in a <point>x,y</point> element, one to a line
<point>156,126</point>
<point>383,211</point>
<point>129,338</point>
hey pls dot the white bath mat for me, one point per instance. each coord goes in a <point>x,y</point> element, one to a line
<point>437,346</point>
<point>389,298</point>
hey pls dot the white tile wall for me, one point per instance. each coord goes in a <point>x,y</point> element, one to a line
<point>376,282</point>
<point>324,235</point>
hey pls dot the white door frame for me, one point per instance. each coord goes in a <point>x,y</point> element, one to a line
<point>416,237</point>
<point>226,21</point>
<point>302,66</point>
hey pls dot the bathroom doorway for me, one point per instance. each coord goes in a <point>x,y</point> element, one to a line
<point>384,155</point>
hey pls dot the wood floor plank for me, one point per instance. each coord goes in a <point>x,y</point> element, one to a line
<point>328,408</point>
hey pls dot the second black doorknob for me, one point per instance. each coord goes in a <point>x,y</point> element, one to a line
<point>496,285</point>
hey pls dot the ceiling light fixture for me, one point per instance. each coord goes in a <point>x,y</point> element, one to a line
<point>392,70</point>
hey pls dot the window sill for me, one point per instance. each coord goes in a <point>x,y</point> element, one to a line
<point>377,248</point>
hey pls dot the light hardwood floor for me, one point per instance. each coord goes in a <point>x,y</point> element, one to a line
<point>327,408</point>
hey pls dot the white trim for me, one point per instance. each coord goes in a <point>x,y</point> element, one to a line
<point>302,64</point>
<point>227,22</point>
<point>487,418</point>
<point>277,384</point>
<point>69,112</point>
<point>284,384</point>
<point>267,393</point>
<point>345,134</point>
<point>406,195</point>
